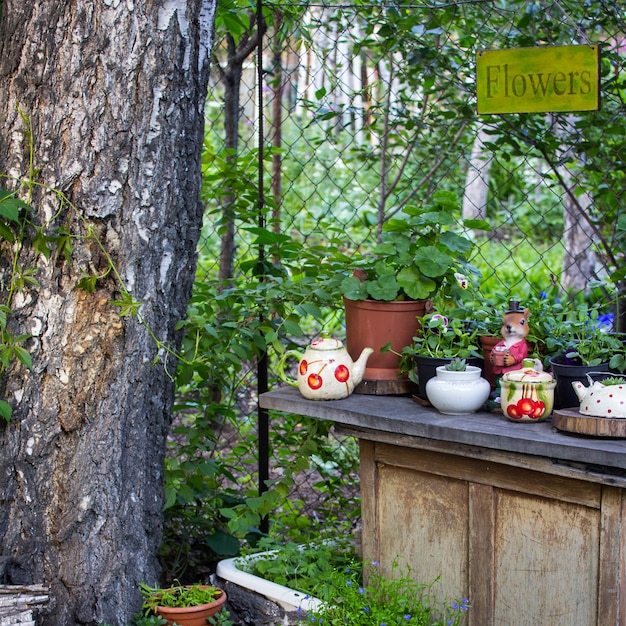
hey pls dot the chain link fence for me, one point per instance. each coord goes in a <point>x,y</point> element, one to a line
<point>367,109</point>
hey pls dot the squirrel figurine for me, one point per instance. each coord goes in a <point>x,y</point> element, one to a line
<point>508,354</point>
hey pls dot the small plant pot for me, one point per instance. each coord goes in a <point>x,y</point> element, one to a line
<point>456,393</point>
<point>565,397</point>
<point>427,369</point>
<point>192,615</point>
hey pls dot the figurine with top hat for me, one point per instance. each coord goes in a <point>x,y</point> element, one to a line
<point>508,354</point>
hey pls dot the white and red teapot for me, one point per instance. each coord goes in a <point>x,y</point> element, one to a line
<point>325,371</point>
<point>600,399</point>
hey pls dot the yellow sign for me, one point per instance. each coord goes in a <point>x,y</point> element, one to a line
<point>534,80</point>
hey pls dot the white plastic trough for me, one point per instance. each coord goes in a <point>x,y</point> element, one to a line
<point>288,599</point>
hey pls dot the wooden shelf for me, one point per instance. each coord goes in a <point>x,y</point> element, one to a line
<point>526,521</point>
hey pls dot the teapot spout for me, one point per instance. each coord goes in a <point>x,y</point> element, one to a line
<point>358,369</point>
<point>580,390</point>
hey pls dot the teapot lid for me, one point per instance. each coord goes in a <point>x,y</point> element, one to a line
<point>326,343</point>
<point>528,375</point>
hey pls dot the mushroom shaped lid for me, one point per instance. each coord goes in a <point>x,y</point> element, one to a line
<point>326,343</point>
<point>527,375</point>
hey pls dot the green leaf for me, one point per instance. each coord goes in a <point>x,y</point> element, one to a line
<point>432,262</point>
<point>477,225</point>
<point>87,283</point>
<point>353,289</point>
<point>24,356</point>
<point>223,544</point>
<point>6,233</point>
<point>5,410</point>
<point>10,206</point>
<point>414,284</point>
<point>384,288</point>
<point>128,306</point>
<point>293,328</point>
<point>40,244</point>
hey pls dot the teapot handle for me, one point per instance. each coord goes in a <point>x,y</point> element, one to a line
<point>280,367</point>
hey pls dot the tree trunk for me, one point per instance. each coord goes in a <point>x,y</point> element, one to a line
<point>477,179</point>
<point>114,95</point>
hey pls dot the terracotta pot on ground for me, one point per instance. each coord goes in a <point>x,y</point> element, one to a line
<point>487,342</point>
<point>193,615</point>
<point>374,323</point>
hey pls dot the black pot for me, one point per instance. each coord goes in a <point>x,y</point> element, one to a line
<point>564,395</point>
<point>427,369</point>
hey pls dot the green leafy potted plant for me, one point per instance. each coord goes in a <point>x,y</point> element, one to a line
<point>417,253</point>
<point>582,345</point>
<point>185,605</point>
<point>440,341</point>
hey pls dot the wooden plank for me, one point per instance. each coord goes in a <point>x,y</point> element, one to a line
<point>396,387</point>
<point>493,474</point>
<point>402,416</point>
<point>546,562</point>
<point>423,524</point>
<point>369,501</point>
<point>620,542</point>
<point>521,461</point>
<point>19,602</point>
<point>481,554</point>
<point>611,557</point>
<point>571,421</point>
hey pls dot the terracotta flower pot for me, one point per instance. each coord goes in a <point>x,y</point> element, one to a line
<point>487,343</point>
<point>374,323</point>
<point>192,615</point>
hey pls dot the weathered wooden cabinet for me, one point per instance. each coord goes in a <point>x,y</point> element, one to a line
<point>527,522</point>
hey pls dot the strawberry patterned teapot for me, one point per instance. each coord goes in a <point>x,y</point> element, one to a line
<point>325,370</point>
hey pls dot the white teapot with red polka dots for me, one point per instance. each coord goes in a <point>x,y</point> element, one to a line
<point>602,399</point>
<point>325,370</point>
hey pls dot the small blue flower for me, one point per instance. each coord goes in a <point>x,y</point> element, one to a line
<point>366,609</point>
<point>407,617</point>
<point>348,583</point>
<point>361,590</point>
<point>375,564</point>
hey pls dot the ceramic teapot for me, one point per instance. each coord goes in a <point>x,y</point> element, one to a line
<point>325,370</point>
<point>599,400</point>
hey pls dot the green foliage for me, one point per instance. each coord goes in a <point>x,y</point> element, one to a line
<point>445,338</point>
<point>610,381</point>
<point>391,601</point>
<point>304,567</point>
<point>221,619</point>
<point>179,596</point>
<point>417,252</point>
<point>457,365</point>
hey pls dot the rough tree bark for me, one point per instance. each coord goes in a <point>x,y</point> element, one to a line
<point>477,179</point>
<point>114,93</point>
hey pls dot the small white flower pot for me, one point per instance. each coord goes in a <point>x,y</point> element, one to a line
<point>455,393</point>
